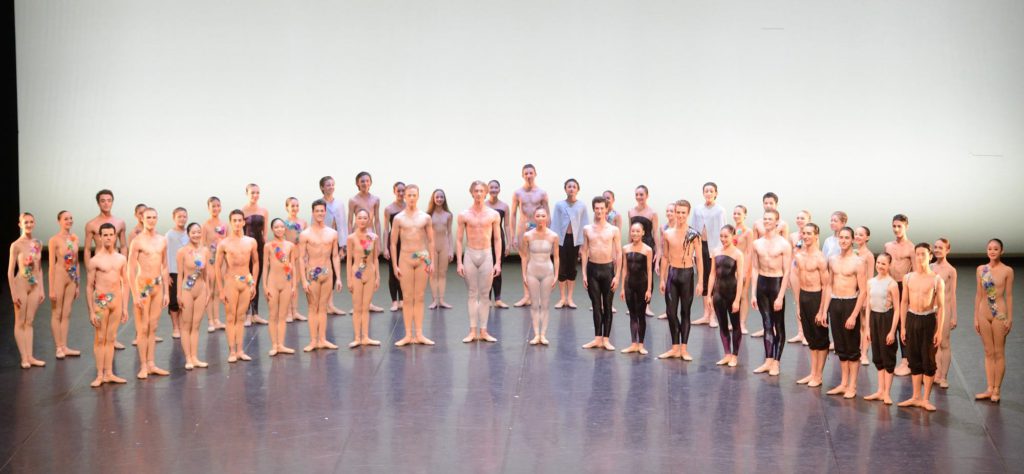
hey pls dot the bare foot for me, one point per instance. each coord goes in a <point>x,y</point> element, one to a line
<point>189,366</point>
<point>733,362</point>
<point>36,362</point>
<point>158,339</point>
<point>60,354</point>
<point>559,305</point>
<point>272,352</point>
<point>404,341</point>
<point>804,380</point>
<point>643,351</point>
<point>111,378</point>
<point>433,305</point>
<point>248,320</point>
<point>910,402</point>
<point>838,390</point>
<point>97,382</point>
<point>987,394</point>
<point>258,320</point>
<point>200,364</point>
<point>873,396</point>
<point>154,370</point>
<point>571,304</point>
<point>593,344</point>
<point>299,317</point>
<point>423,340</point>
<point>686,356</point>
<point>175,335</point>
<point>72,352</point>
<point>631,349</point>
<point>795,339</point>
<point>774,370</point>
<point>326,345</point>
<point>354,344</point>
<point>289,319</point>
<point>211,329</point>
<point>942,383</point>
<point>500,304</point>
<point>886,400</point>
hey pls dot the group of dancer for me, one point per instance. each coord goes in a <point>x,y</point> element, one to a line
<point>903,297</point>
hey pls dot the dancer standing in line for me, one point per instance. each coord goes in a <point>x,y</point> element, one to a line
<point>725,277</point>
<point>648,218</point>
<point>770,202</point>
<point>525,200</point>
<point>600,256</point>
<point>177,238</point>
<point>27,291</point>
<point>902,251</point>
<point>441,218</point>
<point>846,295</point>
<point>493,189</point>
<point>614,218</point>
<point>334,219</point>
<point>944,270</point>
<point>883,296</point>
<point>294,225</point>
<point>279,265</point>
<point>413,227</point>
<point>147,272</point>
<point>64,283</point>
<point>363,199</point>
<point>680,245</point>
<point>836,221</point>
<point>744,237</point>
<point>539,273</point>
<point>708,221</point>
<point>214,231</point>
<point>107,297</point>
<point>319,269</point>
<point>139,209</point>
<point>256,219</point>
<point>193,288</point>
<point>105,201</point>
<point>810,277</point>
<point>568,219</point>
<point>923,308</point>
<point>392,210</point>
<point>481,226</point>
<point>993,316</point>
<point>796,239</point>
<point>363,272</point>
<point>861,236</point>
<point>236,258</point>
<point>637,279</point>
<point>670,222</point>
<point>771,263</point>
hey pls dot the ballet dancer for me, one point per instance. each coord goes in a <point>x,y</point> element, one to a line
<point>293,226</point>
<point>363,276</point>
<point>861,237</point>
<point>708,221</point>
<point>922,311</point>
<point>796,239</point>
<point>363,200</point>
<point>237,256</point>
<point>637,280</point>
<point>441,219</point>
<point>27,291</point>
<point>648,218</point>
<point>177,238</point>
<point>147,274</point>
<point>256,219</point>
<point>744,237</point>
<point>334,219</point>
<point>771,257</point>
<point>539,272</point>
<point>107,298</point>
<point>883,295</point>
<point>105,201</point>
<point>680,245</point>
<point>214,231</point>
<point>392,210</point>
<point>846,293</point>
<point>280,262</point>
<point>481,227</point>
<point>725,277</point>
<point>600,255</point>
<point>493,189</point>
<point>414,265</point>
<point>319,269</point>
<point>525,200</point>
<point>568,219</point>
<point>993,316</point>
<point>810,277</point>
<point>942,268</point>
<point>902,251</point>
<point>64,283</point>
<point>193,288</point>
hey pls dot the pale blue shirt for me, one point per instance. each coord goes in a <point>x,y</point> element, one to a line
<point>565,214</point>
<point>175,241</point>
<point>709,221</point>
<point>336,215</point>
<point>831,247</point>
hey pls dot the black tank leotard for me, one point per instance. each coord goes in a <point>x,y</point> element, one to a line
<point>648,237</point>
<point>254,228</point>
<point>496,283</point>
<point>725,293</point>
<point>394,287</point>
<point>636,290</point>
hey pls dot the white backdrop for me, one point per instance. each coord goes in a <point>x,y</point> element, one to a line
<point>873,107</point>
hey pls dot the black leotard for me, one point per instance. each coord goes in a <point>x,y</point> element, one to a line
<point>254,228</point>
<point>599,287</point>
<point>725,294</point>
<point>648,237</point>
<point>774,322</point>
<point>496,283</point>
<point>636,291</point>
<point>394,287</point>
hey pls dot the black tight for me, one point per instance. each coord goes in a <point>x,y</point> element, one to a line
<point>599,287</point>
<point>679,288</point>
<point>774,322</point>
<point>637,305</point>
<point>724,296</point>
<point>496,282</point>
<point>394,286</point>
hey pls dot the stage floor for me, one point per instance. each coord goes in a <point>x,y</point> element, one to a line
<point>504,407</point>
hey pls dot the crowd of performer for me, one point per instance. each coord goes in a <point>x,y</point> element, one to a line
<point>900,300</point>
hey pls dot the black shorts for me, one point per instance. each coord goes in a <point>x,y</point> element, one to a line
<point>920,350</point>
<point>568,254</point>
<point>816,335</point>
<point>172,287</point>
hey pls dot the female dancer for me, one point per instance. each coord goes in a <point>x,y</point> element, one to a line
<point>391,211</point>
<point>494,187</point>
<point>256,218</point>
<point>725,277</point>
<point>568,219</point>
<point>613,216</point>
<point>363,277</point>
<point>414,265</point>
<point>861,236</point>
<point>636,285</point>
<point>441,219</point>
<point>882,294</point>
<point>363,200</point>
<point>670,222</point>
<point>942,268</point>
<point>744,236</point>
<point>293,226</point>
<point>539,273</point>
<point>647,218</point>
<point>993,316</point>
<point>213,232</point>
<point>193,292</point>
<point>64,285</point>
<point>279,266</point>
<point>27,290</point>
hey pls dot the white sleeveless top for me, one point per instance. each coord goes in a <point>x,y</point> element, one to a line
<point>878,294</point>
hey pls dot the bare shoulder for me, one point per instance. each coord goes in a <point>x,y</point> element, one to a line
<point>248,241</point>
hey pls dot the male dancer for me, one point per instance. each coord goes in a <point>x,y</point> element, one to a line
<point>847,292</point>
<point>105,201</point>
<point>678,255</point>
<point>922,311</point>
<point>320,269</point>
<point>176,239</point>
<point>335,220</point>
<point>771,261</point>
<point>811,276</point>
<point>481,226</point>
<point>708,221</point>
<point>943,269</point>
<point>525,201</point>
<point>147,275</point>
<point>414,264</point>
<point>139,208</point>
<point>108,302</point>
<point>236,287</point>
<point>770,202</point>
<point>600,256</point>
<point>902,251</point>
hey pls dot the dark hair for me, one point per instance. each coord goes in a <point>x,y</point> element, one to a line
<point>814,227</point>
<point>609,191</point>
<point>924,245</point>
<point>105,225</point>
<point>1000,242</point>
<point>847,229</point>
<point>140,205</point>
<point>570,180</point>
<point>188,228</point>
<point>323,181</point>
<point>741,206</point>
<point>318,202</point>
<point>102,192</point>
<point>772,195</point>
<point>397,184</point>
<point>210,201</point>
<point>236,211</point>
<point>272,221</point>
<point>290,199</point>
<point>710,183</point>
<point>773,211</point>
<point>179,209</point>
<point>901,218</point>
<point>59,214</point>
<point>866,230</point>
<point>598,200</point>
<point>361,174</point>
<point>884,254</point>
<point>946,241</point>
<point>684,203</point>
<point>250,186</point>
<point>493,181</point>
<point>530,166</point>
<point>644,187</point>
<point>730,228</point>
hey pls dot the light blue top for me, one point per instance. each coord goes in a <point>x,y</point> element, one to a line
<point>175,241</point>
<point>709,221</point>
<point>831,247</point>
<point>565,214</point>
<point>335,219</point>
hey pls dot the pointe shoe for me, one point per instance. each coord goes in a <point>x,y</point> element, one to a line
<point>902,370</point>
<point>37,363</point>
<point>983,395</point>
<point>175,335</point>
<point>258,320</point>
<point>814,383</point>
<point>804,381</point>
<point>25,365</point>
<point>668,355</point>
<point>910,402</point>
<point>743,330</point>
<point>762,369</point>
<point>299,317</point>
<point>994,398</point>
<point>423,340</point>
<point>327,345</point>
<point>571,305</point>
<point>850,394</point>
<point>839,390</point>
<point>559,305</point>
<point>591,344</point>
<point>158,339</point>
<point>289,319</point>
<point>873,397</point>
<point>403,342</point>
<point>700,321</point>
<point>72,352</point>
<point>142,375</point>
<point>523,302</point>
<point>211,329</point>
<point>929,407</point>
<point>445,305</point>
<point>248,322</point>
<point>371,342</point>
<point>432,305</point>
<point>774,371</point>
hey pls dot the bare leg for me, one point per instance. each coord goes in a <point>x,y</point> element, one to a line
<point>321,330</point>
<point>998,357</point>
<point>988,341</point>
<point>419,285</point>
<point>187,305</point>
<point>275,307</point>
<point>233,317</point>
<point>408,299</point>
<point>155,309</point>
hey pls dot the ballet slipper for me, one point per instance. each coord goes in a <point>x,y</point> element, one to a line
<point>725,360</point>
<point>423,340</point>
<point>838,390</point>
<point>114,379</point>
<point>285,350</point>
<point>487,337</point>
<point>758,334</point>
<point>804,381</point>
<point>643,351</point>
<point>404,341</point>
<point>608,346</point>
<point>189,366</point>
<point>354,344</point>
<point>309,347</point>
<point>154,370</point>
<point>910,402</point>
<point>232,358</point>
<point>326,345</point>
<point>244,356</point>
<point>200,364</point>
<point>592,344</point>
<point>97,382</point>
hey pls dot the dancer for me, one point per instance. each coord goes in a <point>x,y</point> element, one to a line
<point>725,277</point>
<point>708,221</point>
<point>147,272</point>
<point>771,257</point>
<point>391,211</point>
<point>293,226</point>
<point>670,222</point>
<point>334,219</point>
<point>27,291</point>
<point>637,280</point>
<point>796,239</point>
<point>105,201</point>
<point>139,209</point>
<point>64,285</point>
<point>811,275</point>
<point>279,265</point>
<point>413,227</point>
<point>493,189</point>
<point>525,200</point>
<point>836,221</point>
<point>922,311</point>
<point>177,238</point>
<point>441,219</point>
<point>256,219</point>
<point>193,288</point>
<point>944,270</point>
<point>539,272</point>
<point>993,316</point>
<point>744,237</point>
<point>678,253</point>
<point>882,296</point>
<point>481,227</point>
<point>319,268</point>
<point>363,276</point>
<point>107,298</point>
<point>861,236</point>
<point>364,200</point>
<point>214,231</point>
<point>847,289</point>
<point>237,255</point>
<point>770,202</point>
<point>902,251</point>
<point>568,219</point>
<point>648,218</point>
<point>600,256</point>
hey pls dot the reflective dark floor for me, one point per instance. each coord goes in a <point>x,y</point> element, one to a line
<point>482,407</point>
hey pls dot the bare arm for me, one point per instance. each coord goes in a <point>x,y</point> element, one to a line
<point>699,264</point>
<point>53,265</point>
<point>431,249</point>
<point>254,257</point>
<point>825,288</point>
<point>90,288</point>
<point>133,264</point>
<point>496,239</point>
<point>940,294</point>
<point>754,268</point>
<point>584,253</point>
<point>450,236</point>
<point>904,307</point>
<point>1009,300</point>
<point>336,263</point>
<point>787,266</point>
<point>894,295</point>
<point>711,279</point>
<point>180,260</point>
<point>952,301</point>
<point>124,242</point>
<point>616,257</point>
<point>862,285</point>
<point>11,263</point>
<point>512,217</point>
<point>460,231</point>
<point>393,237</point>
